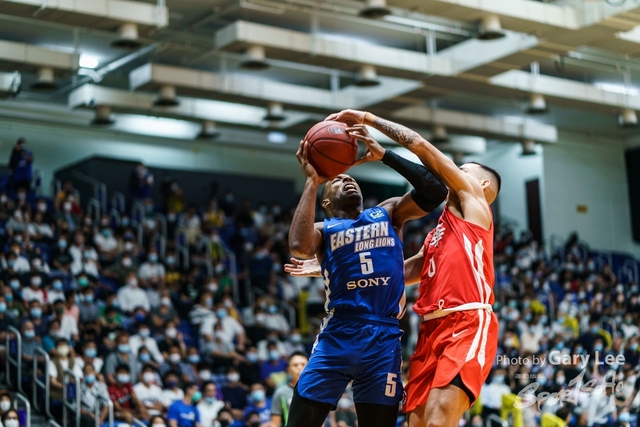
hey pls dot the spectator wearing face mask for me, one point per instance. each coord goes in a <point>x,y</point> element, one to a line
<point>62,259</point>
<point>602,406</point>
<point>260,403</point>
<point>61,360</point>
<point>234,392</point>
<point>209,406</point>
<point>120,270</point>
<point>274,365</point>
<point>5,403</point>
<point>93,395</point>
<point>88,309</point>
<point>492,393</point>
<point>120,356</point>
<point>152,269</point>
<point>629,326</point>
<point>68,324</point>
<point>55,291</point>
<point>106,243</point>
<point>148,392</point>
<point>225,419</point>
<point>172,338</point>
<point>219,350</point>
<point>34,291</point>
<point>275,321</point>
<point>175,363</point>
<point>39,323</point>
<point>293,344</point>
<point>193,360</point>
<point>30,342</point>
<point>344,415</point>
<point>126,404</point>
<point>589,338</point>
<point>163,313</point>
<point>49,340</point>
<point>131,296</point>
<point>144,339</point>
<point>172,391</point>
<point>263,346</point>
<point>184,413</point>
<point>249,366</point>
<point>70,304</point>
<point>5,321</point>
<point>11,419</point>
<point>202,311</point>
<point>88,355</point>
<point>39,230</point>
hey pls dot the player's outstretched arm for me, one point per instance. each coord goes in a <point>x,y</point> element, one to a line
<point>413,268</point>
<point>304,268</point>
<point>428,191</point>
<point>305,236</point>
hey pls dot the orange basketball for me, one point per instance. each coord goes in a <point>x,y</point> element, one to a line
<point>331,150</point>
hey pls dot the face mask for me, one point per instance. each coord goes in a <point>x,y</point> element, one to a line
<point>14,283</point>
<point>148,377</point>
<point>508,342</point>
<point>273,309</point>
<point>235,377</point>
<point>344,403</point>
<point>197,396</point>
<point>213,287</point>
<point>144,333</point>
<point>88,298</point>
<point>255,424</point>
<point>63,350</point>
<point>296,338</point>
<point>595,330</point>
<point>208,302</point>
<point>260,318</point>
<point>91,352</point>
<point>210,400</point>
<point>171,333</point>
<point>132,282</point>
<point>498,379</point>
<point>560,380</point>
<point>257,395</point>
<point>274,355</point>
<point>128,246</point>
<point>90,379</point>
<point>124,348</point>
<point>123,378</point>
<point>171,384</point>
<point>219,268</point>
<point>12,423</point>
<point>12,263</point>
<point>54,333</point>
<point>62,244</point>
<point>106,232</point>
<point>144,357</point>
<point>193,358</point>
<point>83,282</point>
<point>8,297</point>
<point>170,260</point>
<point>37,263</point>
<point>3,307</point>
<point>30,333</point>
<point>174,358</point>
<point>88,254</point>
<point>140,317</point>
<point>560,345</point>
<point>36,312</point>
<point>158,425</point>
<point>166,301</point>
<point>126,262</point>
<point>221,313</point>
<point>598,347</point>
<point>5,405</point>
<point>153,258</point>
<point>634,346</point>
<point>204,375</point>
<point>252,357</point>
<point>57,285</point>
<point>60,310</point>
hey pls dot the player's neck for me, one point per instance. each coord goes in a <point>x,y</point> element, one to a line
<point>348,213</point>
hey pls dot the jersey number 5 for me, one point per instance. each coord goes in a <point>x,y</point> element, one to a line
<point>390,389</point>
<point>366,265</point>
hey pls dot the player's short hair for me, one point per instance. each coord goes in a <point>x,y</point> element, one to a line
<point>493,172</point>
<point>294,354</point>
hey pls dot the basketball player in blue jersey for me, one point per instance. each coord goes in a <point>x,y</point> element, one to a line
<point>360,253</point>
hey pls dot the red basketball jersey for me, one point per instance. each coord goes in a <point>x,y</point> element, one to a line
<point>458,265</point>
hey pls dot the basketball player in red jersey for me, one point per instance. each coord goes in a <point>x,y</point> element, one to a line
<point>458,339</point>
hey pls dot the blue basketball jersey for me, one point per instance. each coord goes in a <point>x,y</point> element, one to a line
<point>363,264</point>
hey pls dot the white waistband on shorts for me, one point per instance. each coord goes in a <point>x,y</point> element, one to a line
<point>442,312</point>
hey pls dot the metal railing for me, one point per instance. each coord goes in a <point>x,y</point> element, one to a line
<point>137,423</point>
<point>231,257</point>
<point>632,266</point>
<point>184,254</point>
<point>56,186</point>
<point>162,219</point>
<point>10,361</point>
<point>115,215</point>
<point>139,227</point>
<point>52,423</point>
<point>494,419</point>
<point>27,406</point>
<point>98,411</point>
<point>137,209</point>
<point>161,240</point>
<point>36,183</point>
<point>118,202</point>
<point>99,187</point>
<point>94,209</point>
<point>39,384</point>
<point>70,398</point>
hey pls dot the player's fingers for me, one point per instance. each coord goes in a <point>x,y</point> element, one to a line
<point>333,116</point>
<point>296,261</point>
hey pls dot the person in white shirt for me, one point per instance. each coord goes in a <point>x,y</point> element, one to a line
<point>19,263</point>
<point>106,243</point>
<point>56,291</point>
<point>276,321</point>
<point>171,392</point>
<point>294,343</point>
<point>39,230</point>
<point>209,406</point>
<point>629,326</point>
<point>231,328</point>
<point>263,346</point>
<point>89,355</point>
<point>602,404</point>
<point>491,394</point>
<point>33,292</point>
<point>148,392</point>
<point>78,248</point>
<point>143,339</point>
<point>131,296</point>
<point>152,268</point>
<point>68,323</point>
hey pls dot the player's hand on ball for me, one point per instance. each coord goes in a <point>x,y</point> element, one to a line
<point>375,151</point>
<point>307,168</point>
<point>303,268</point>
<point>350,117</point>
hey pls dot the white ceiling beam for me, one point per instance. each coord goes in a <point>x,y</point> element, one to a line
<point>21,53</point>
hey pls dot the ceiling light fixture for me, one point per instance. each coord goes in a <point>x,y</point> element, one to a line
<point>275,112</point>
<point>87,61</point>
<point>103,116</point>
<point>254,58</point>
<point>209,130</point>
<point>167,97</point>
<point>528,147</point>
<point>127,37</point>
<point>537,104</point>
<point>439,134</point>
<point>45,79</point>
<point>489,28</point>
<point>628,118</point>
<point>367,76</point>
<point>375,9</point>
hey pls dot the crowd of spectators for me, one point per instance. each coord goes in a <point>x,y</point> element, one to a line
<point>172,346</point>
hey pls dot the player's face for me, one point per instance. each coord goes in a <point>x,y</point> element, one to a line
<point>477,172</point>
<point>344,186</point>
<point>296,365</point>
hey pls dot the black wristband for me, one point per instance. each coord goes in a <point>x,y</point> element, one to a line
<point>429,192</point>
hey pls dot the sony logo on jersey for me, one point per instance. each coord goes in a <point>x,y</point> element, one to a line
<point>365,283</point>
<point>357,234</point>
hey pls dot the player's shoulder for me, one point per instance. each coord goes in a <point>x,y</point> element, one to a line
<point>376,212</point>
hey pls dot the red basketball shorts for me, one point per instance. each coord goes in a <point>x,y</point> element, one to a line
<point>464,342</point>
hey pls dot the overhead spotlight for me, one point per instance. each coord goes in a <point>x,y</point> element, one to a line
<point>209,130</point>
<point>367,76</point>
<point>536,104</point>
<point>127,37</point>
<point>275,112</point>
<point>628,118</point>
<point>103,116</point>
<point>45,79</point>
<point>375,9</point>
<point>167,97</point>
<point>528,147</point>
<point>489,28</point>
<point>439,134</point>
<point>254,58</point>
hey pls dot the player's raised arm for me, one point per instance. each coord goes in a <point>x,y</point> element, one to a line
<point>305,236</point>
<point>428,191</point>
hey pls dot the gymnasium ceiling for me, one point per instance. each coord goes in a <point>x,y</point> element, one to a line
<point>432,69</point>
